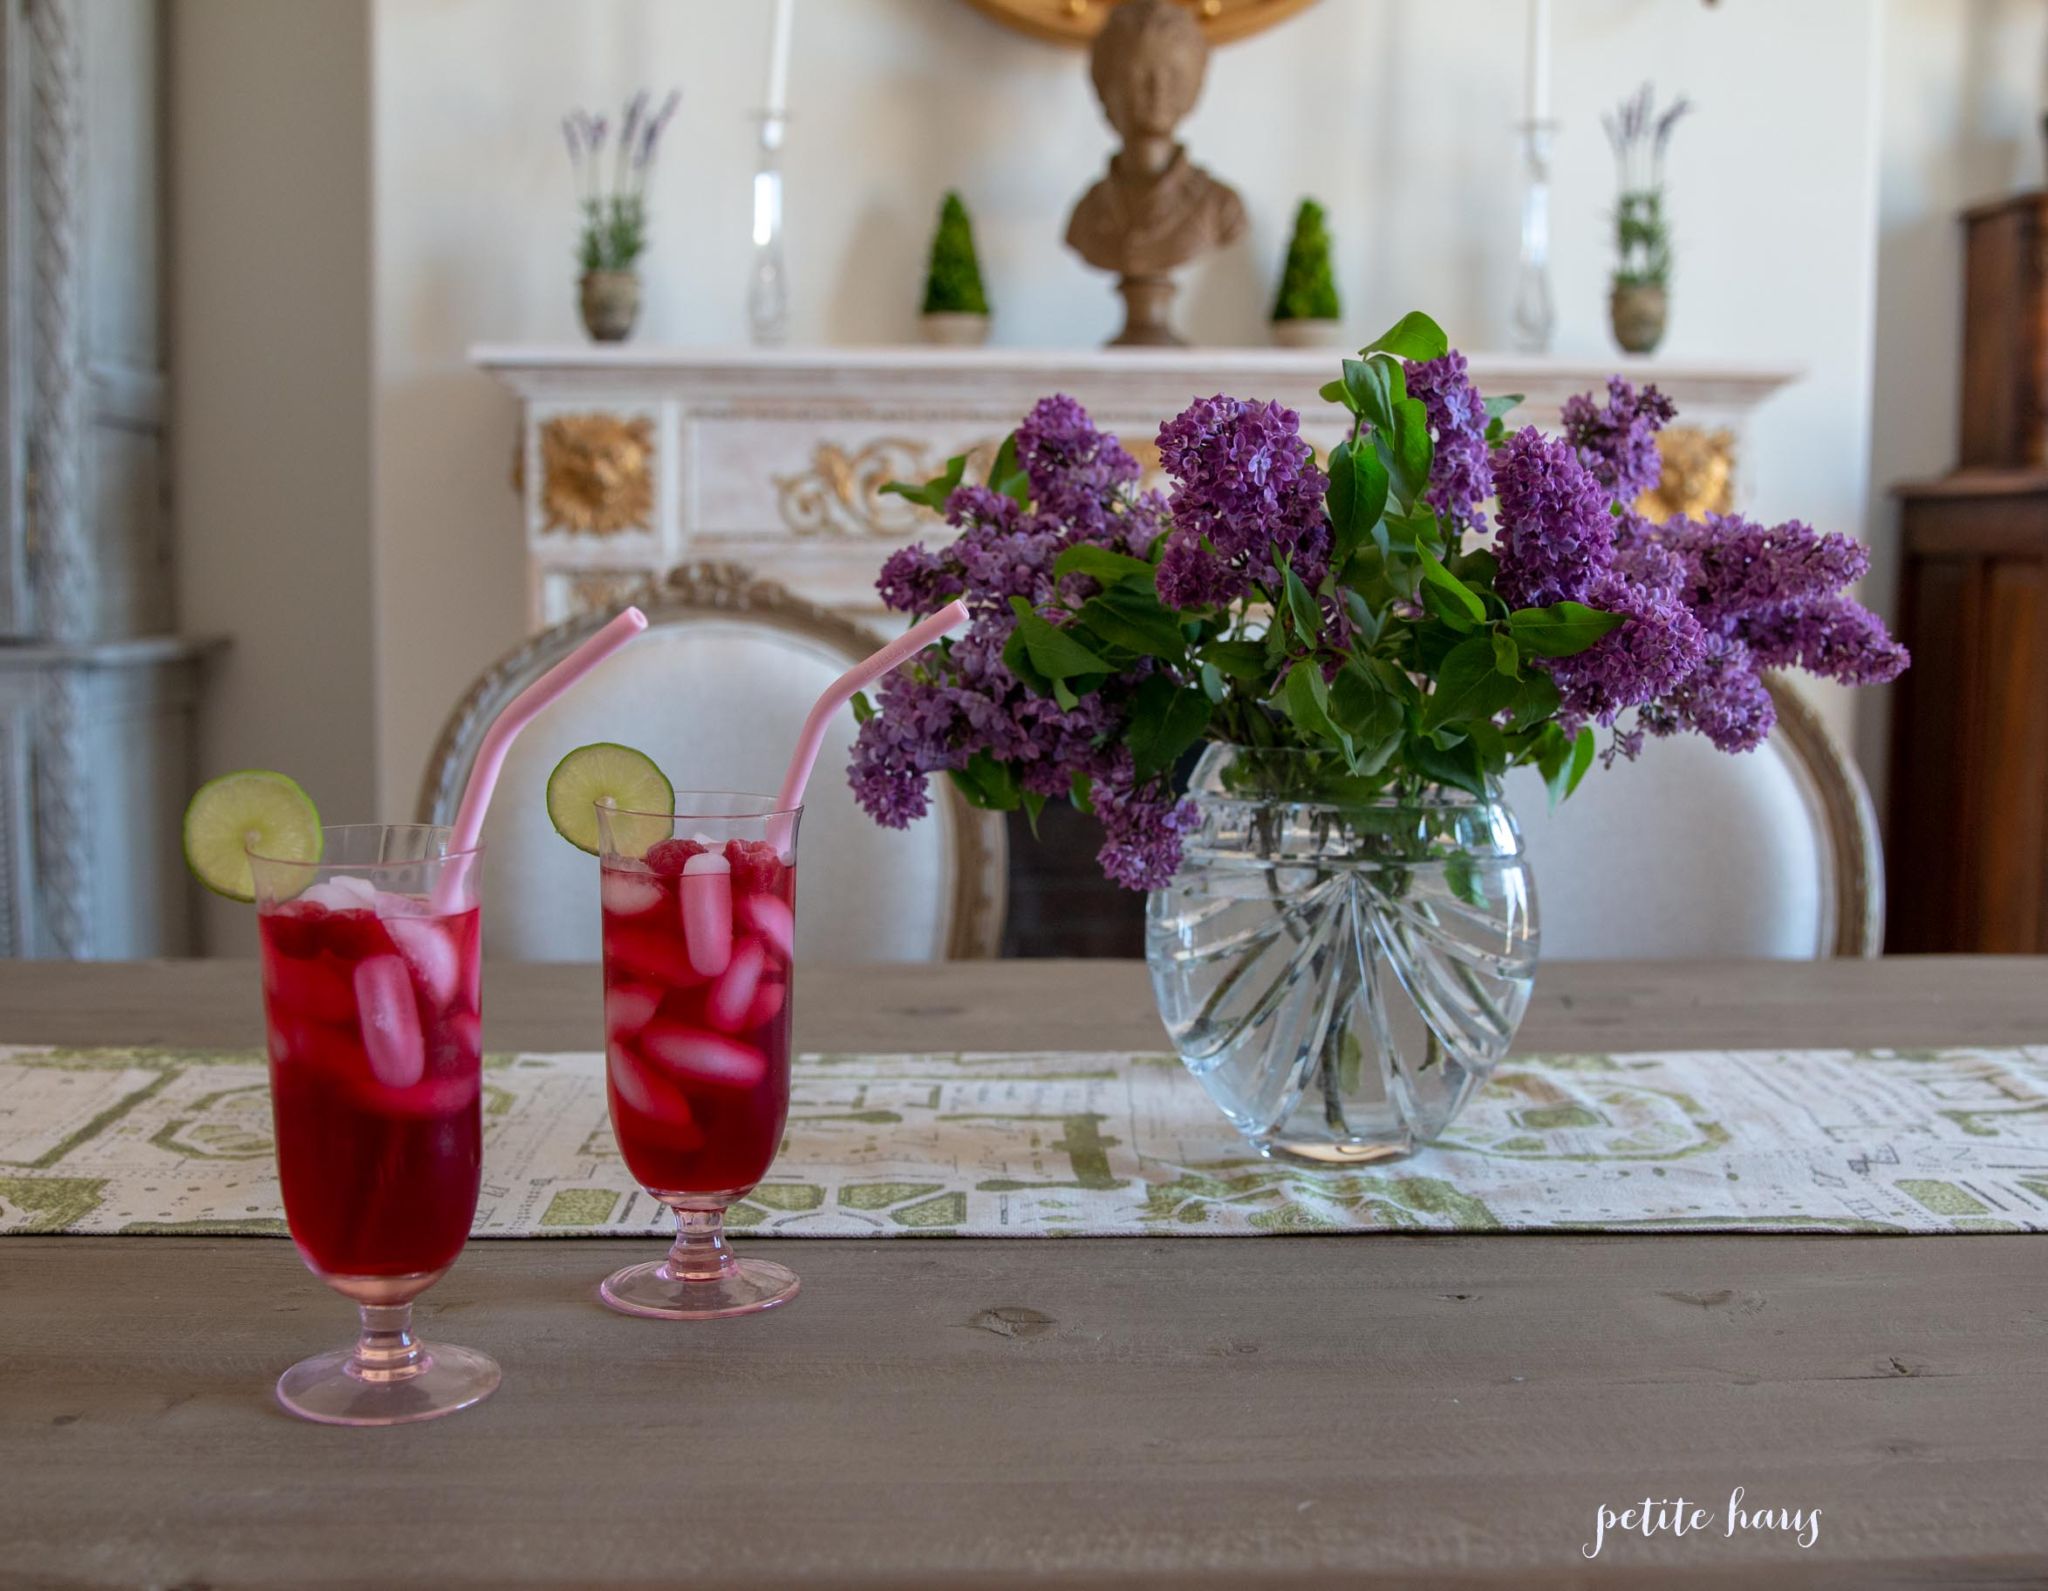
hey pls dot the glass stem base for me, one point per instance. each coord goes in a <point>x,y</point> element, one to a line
<point>701,1278</point>
<point>389,1377</point>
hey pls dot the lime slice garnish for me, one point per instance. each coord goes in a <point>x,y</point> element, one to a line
<point>626,778</point>
<point>251,810</point>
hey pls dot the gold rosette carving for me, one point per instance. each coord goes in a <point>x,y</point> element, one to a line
<point>597,474</point>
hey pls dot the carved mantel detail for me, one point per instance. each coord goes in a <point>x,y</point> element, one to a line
<point>597,474</point>
<point>840,494</point>
<point>1699,474</point>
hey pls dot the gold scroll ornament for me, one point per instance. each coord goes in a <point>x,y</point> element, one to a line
<point>597,474</point>
<point>1699,474</point>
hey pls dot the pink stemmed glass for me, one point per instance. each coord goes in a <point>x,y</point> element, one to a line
<point>371,991</point>
<point>699,919</point>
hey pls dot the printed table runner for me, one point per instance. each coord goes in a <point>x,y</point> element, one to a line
<point>988,1145</point>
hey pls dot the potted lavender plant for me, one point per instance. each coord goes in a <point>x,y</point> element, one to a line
<point>1341,927</point>
<point>611,192</point>
<point>1639,301</point>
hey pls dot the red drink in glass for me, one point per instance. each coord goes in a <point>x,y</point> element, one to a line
<point>372,972</point>
<point>379,1130</point>
<point>698,945</point>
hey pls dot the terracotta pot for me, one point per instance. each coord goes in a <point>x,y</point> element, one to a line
<point>611,303</point>
<point>953,329</point>
<point>1637,310</point>
<point>1308,333</point>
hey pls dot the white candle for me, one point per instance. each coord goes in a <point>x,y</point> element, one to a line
<point>778,61</point>
<point>1538,87</point>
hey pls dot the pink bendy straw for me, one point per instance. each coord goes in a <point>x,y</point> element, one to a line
<point>528,705</point>
<point>840,692</point>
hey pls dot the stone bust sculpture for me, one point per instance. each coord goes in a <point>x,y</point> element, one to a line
<point>1154,209</point>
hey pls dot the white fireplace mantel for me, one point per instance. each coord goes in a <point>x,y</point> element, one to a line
<point>634,460</point>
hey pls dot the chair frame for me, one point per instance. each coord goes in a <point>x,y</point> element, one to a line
<point>981,883</point>
<point>1842,805</point>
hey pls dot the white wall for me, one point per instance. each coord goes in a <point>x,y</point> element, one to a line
<point>1399,117</point>
<point>1962,93</point>
<point>269,251</point>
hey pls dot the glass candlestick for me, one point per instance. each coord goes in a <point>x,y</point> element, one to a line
<point>767,282</point>
<point>1535,312</point>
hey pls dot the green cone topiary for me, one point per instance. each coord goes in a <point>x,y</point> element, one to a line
<point>952,285</point>
<point>1308,287</point>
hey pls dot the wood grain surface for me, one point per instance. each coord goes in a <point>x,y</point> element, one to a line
<point>1351,1411</point>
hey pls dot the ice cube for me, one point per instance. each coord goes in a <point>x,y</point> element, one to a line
<point>629,894</point>
<point>428,947</point>
<point>705,1058</point>
<point>390,1021</point>
<point>732,996</point>
<point>707,912</point>
<point>770,917</point>
<point>629,1007</point>
<point>653,955</point>
<point>767,1005</point>
<point>360,890</point>
<point>649,1094</point>
<point>388,905</point>
<point>330,894</point>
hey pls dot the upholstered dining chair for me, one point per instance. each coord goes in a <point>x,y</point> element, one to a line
<point>1689,851</point>
<point>715,692</point>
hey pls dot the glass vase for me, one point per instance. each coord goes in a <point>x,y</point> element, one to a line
<point>1341,973</point>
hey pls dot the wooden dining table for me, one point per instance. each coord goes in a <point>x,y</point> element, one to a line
<point>1328,1411</point>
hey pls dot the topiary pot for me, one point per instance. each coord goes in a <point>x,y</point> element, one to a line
<point>1637,310</point>
<point>953,328</point>
<point>1308,333</point>
<point>610,301</point>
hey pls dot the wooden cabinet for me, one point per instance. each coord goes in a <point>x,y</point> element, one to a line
<point>1967,855</point>
<point>2005,335</point>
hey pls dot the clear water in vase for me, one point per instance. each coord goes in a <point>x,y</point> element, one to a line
<point>1341,977</point>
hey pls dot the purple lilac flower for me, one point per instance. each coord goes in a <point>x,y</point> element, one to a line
<point>1460,471</point>
<point>937,712</point>
<point>1723,699</point>
<point>1738,566</point>
<point>1074,469</point>
<point>1556,535</point>
<point>1142,829</point>
<point>1646,657</point>
<point>1246,490</point>
<point>1617,441</point>
<point>1835,637</point>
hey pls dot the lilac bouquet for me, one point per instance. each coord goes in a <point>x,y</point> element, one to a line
<point>1363,609</point>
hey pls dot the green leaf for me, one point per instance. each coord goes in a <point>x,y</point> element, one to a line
<point>1462,875</point>
<point>1166,719</point>
<point>1243,660</point>
<point>1306,701</point>
<point>1468,686</point>
<point>1054,653</point>
<point>1457,766</point>
<point>1393,679</point>
<point>1369,713</point>
<point>1005,477</point>
<point>1099,563</point>
<point>1337,392</point>
<point>933,493</point>
<point>1301,607</point>
<point>1561,630</point>
<point>1017,659</point>
<point>863,709</point>
<point>1081,792</point>
<point>1496,407</point>
<point>1537,700</point>
<point>1212,682</point>
<point>1357,498</point>
<point>1135,619</point>
<point>1456,593</point>
<point>1565,765</point>
<point>989,784</point>
<point>1505,656</point>
<point>1033,805</point>
<point>1405,448</point>
<point>1414,336</point>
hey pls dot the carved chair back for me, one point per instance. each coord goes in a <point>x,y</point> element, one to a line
<point>715,692</point>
